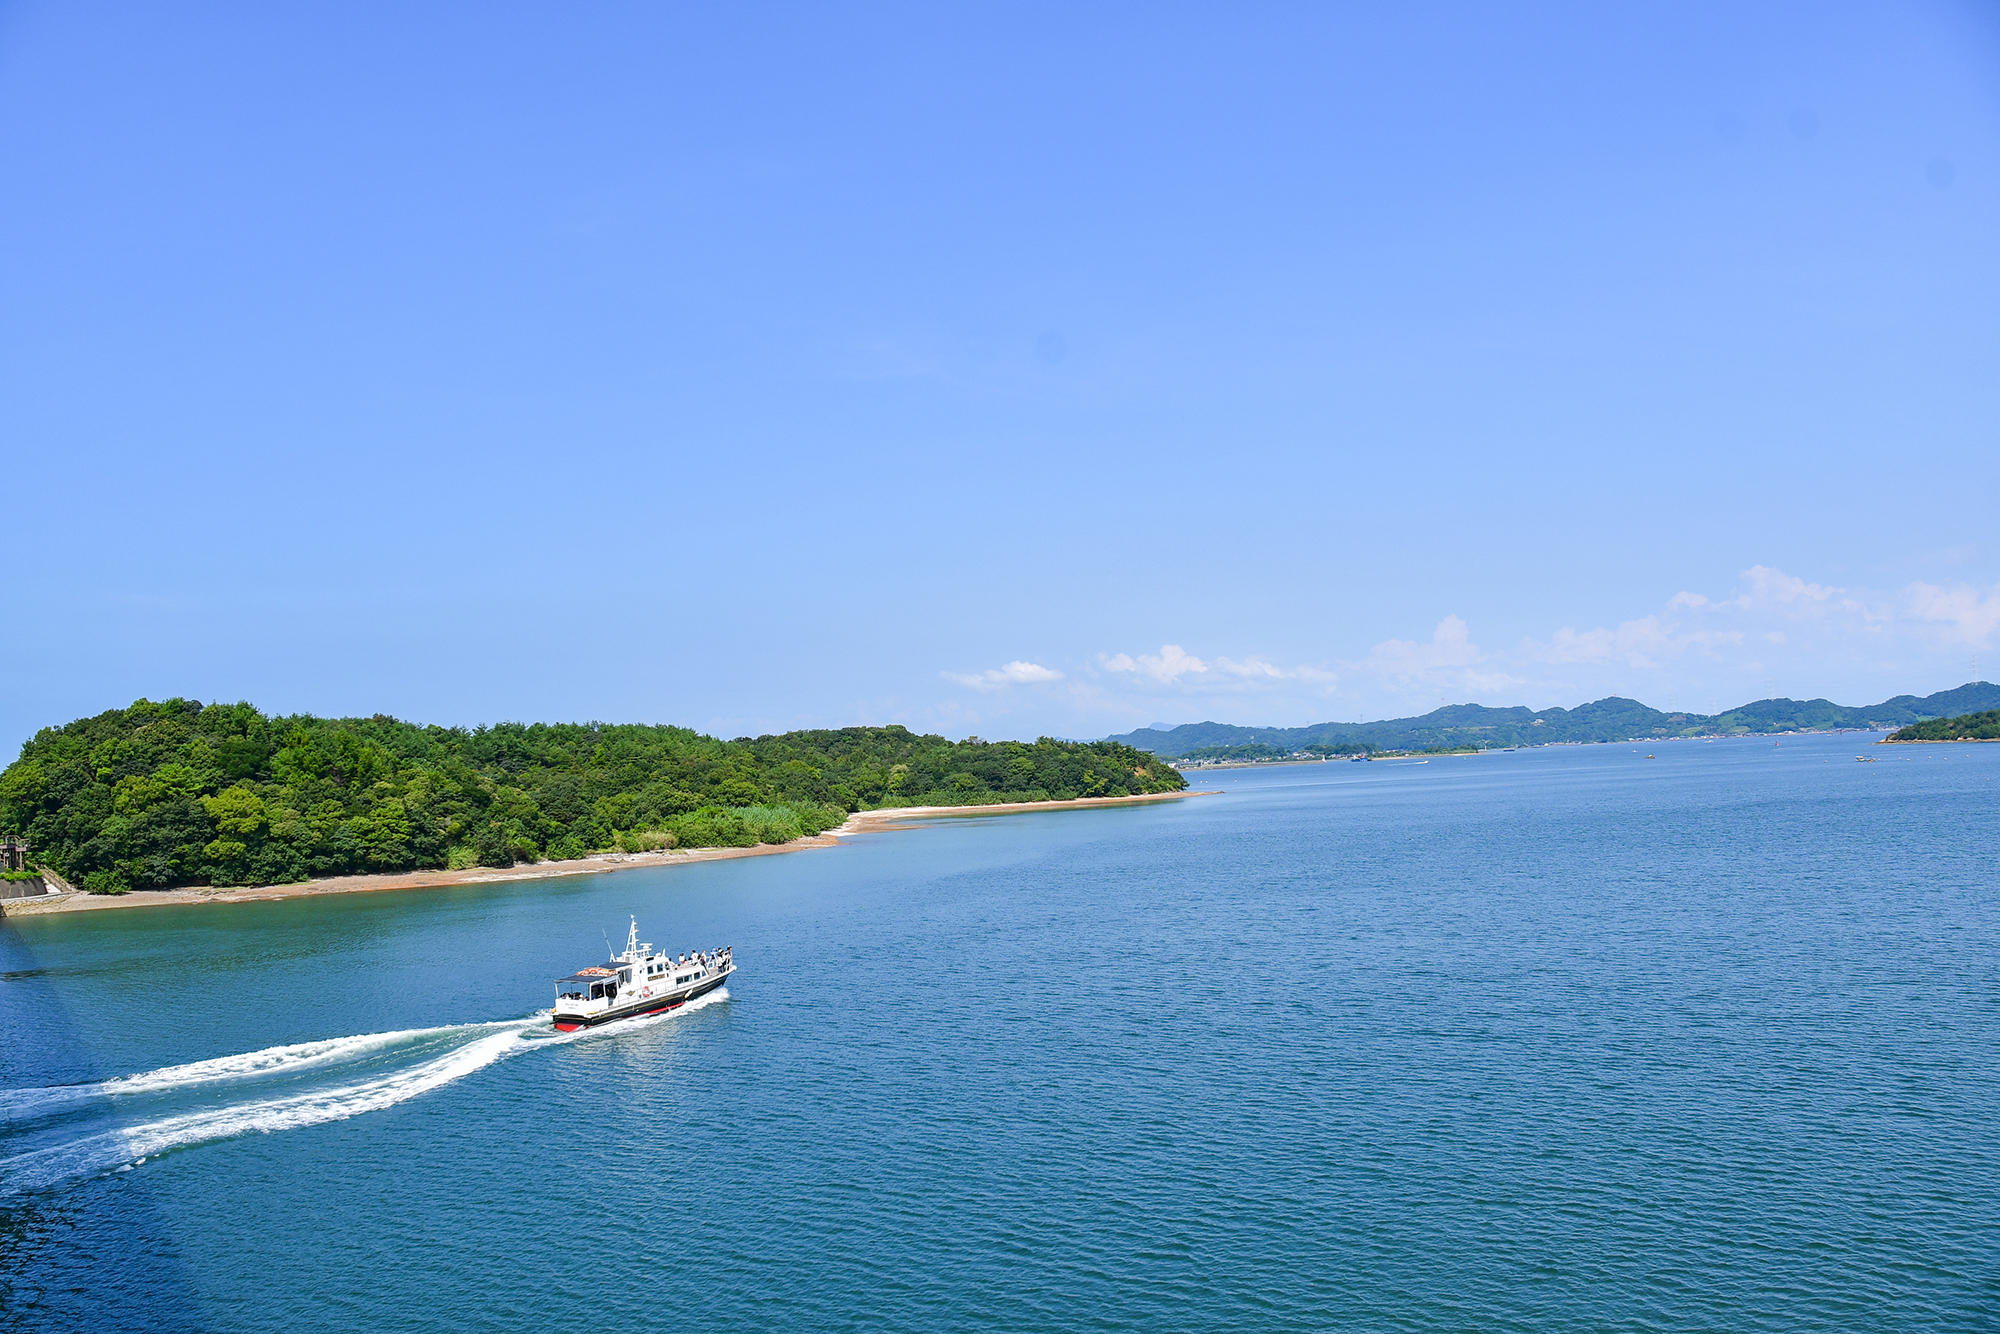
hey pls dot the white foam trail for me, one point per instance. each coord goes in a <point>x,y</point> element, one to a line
<point>110,1150</point>
<point>15,1104</point>
<point>39,1168</point>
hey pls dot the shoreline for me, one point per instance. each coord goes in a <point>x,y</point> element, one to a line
<point>860,822</point>
<point>1390,757</point>
<point>1940,741</point>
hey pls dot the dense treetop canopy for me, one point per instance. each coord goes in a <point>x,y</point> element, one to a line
<point>181,793</point>
<point>1966,727</point>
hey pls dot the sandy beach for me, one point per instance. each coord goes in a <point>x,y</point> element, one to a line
<point>861,822</point>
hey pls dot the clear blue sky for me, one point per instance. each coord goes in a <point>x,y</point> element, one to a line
<point>1001,370</point>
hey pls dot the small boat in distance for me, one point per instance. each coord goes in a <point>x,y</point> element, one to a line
<point>639,981</point>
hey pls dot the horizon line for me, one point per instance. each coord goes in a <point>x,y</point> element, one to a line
<point>1553,708</point>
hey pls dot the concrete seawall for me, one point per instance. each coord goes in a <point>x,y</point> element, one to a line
<point>18,897</point>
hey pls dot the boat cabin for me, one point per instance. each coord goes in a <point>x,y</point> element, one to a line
<point>593,984</point>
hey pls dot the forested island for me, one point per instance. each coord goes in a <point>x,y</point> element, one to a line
<point>1476,726</point>
<point>178,793</point>
<point>1966,727</point>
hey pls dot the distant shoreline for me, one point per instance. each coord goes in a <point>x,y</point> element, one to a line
<point>1401,756</point>
<point>1940,741</point>
<point>1203,766</point>
<point>1613,719</point>
<point>861,822</point>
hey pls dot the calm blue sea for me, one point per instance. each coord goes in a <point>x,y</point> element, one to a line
<point>1564,1039</point>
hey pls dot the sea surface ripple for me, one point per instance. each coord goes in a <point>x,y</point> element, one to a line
<point>1571,1039</point>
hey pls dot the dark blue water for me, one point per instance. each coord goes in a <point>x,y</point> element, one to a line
<point>1556,1040</point>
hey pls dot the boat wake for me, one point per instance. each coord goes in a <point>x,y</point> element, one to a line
<point>29,1104</point>
<point>278,1088</point>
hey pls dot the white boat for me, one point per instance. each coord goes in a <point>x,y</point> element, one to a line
<point>639,981</point>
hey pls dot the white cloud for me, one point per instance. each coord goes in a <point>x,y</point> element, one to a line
<point>1259,669</point>
<point>1016,673</point>
<point>1643,642</point>
<point>1764,598</point>
<point>1251,667</point>
<point>1962,613</point>
<point>1632,640</point>
<point>1447,661</point>
<point>1175,666</point>
<point>1778,625</point>
<point>1763,587</point>
<point>1761,583</point>
<point>1450,645</point>
<point>1167,666</point>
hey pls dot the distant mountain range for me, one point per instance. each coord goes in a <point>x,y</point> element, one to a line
<point>1612,719</point>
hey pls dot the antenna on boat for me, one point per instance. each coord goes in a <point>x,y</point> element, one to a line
<point>607,943</point>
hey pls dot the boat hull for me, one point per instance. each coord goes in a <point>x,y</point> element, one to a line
<point>656,1004</point>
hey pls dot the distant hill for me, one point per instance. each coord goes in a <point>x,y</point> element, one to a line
<point>1612,719</point>
<point>1966,727</point>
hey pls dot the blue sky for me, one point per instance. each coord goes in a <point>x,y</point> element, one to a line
<point>997,370</point>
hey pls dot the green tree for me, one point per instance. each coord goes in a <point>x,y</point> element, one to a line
<point>176,792</point>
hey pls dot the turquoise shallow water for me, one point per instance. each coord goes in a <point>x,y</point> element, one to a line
<point>1554,1040</point>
